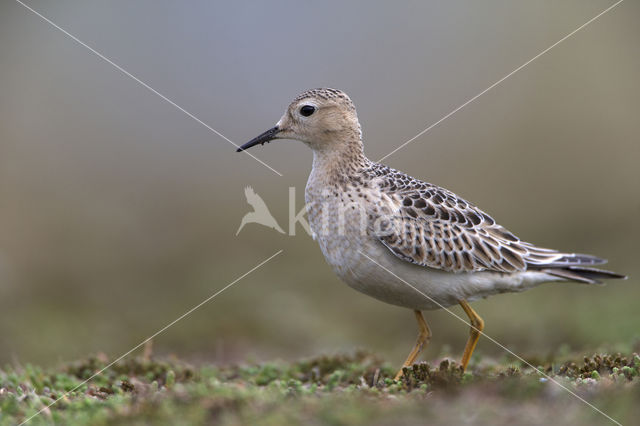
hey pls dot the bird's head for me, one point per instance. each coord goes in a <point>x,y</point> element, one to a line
<point>324,119</point>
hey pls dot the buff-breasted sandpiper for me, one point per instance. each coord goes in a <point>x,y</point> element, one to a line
<point>404,241</point>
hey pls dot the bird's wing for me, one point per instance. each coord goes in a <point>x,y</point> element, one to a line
<point>431,226</point>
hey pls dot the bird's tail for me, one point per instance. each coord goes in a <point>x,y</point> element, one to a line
<point>571,266</point>
<point>583,274</point>
<point>578,268</point>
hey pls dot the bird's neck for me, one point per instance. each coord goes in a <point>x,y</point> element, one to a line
<point>337,162</point>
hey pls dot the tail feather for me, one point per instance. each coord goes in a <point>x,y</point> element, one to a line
<point>576,259</point>
<point>571,266</point>
<point>583,274</point>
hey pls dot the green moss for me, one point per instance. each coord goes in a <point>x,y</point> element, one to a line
<point>340,389</point>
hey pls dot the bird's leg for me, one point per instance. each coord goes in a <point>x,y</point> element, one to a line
<point>477,325</point>
<point>424,335</point>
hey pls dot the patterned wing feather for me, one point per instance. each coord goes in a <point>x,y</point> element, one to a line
<point>431,226</point>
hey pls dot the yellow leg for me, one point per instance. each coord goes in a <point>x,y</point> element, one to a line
<point>423,338</point>
<point>477,325</point>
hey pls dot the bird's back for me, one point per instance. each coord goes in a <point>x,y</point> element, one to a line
<point>431,226</point>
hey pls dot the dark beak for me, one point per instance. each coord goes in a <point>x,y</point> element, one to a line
<point>267,136</point>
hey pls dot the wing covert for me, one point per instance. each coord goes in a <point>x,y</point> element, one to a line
<point>431,226</point>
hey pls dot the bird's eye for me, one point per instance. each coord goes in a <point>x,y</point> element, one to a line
<point>307,110</point>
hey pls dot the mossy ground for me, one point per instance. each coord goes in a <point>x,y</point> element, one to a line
<point>340,389</point>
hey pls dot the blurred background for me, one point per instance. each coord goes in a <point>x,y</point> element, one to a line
<point>118,212</point>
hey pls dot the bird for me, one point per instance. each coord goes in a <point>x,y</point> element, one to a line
<point>260,213</point>
<point>405,241</point>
